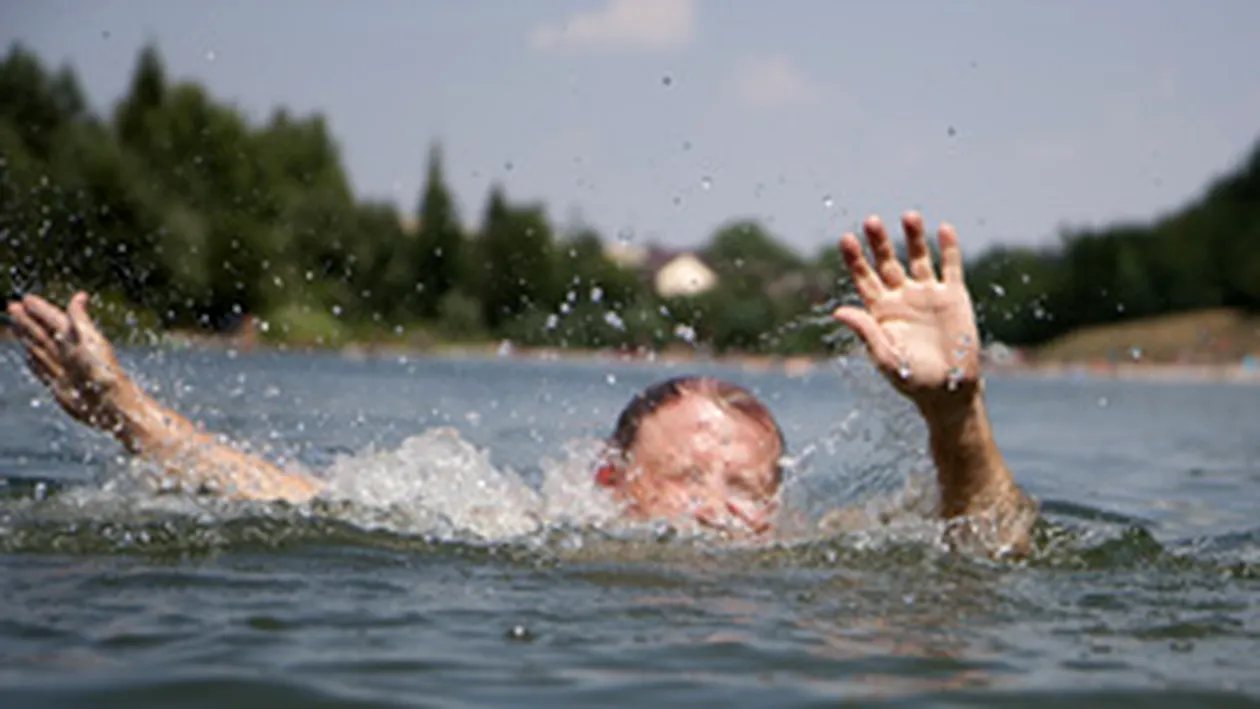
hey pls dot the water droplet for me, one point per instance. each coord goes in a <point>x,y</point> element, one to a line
<point>686,333</point>
<point>1135,353</point>
<point>1103,402</point>
<point>828,201</point>
<point>210,55</point>
<point>505,348</point>
<point>336,311</point>
<point>519,633</point>
<point>951,131</point>
<point>667,80</point>
<point>36,403</point>
<point>953,378</point>
<point>903,370</point>
<point>553,321</point>
<point>614,320</point>
<point>610,378</point>
<point>706,183</point>
<point>998,290</point>
<point>597,294</point>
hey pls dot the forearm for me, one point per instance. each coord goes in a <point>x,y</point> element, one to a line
<point>191,458</point>
<point>972,474</point>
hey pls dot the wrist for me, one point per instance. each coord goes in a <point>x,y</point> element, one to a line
<point>138,419</point>
<point>948,412</point>
<point>970,468</point>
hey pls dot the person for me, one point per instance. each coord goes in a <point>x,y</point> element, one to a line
<point>689,448</point>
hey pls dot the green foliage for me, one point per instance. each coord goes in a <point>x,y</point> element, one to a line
<point>519,275</point>
<point>1204,256</point>
<point>438,251</point>
<point>178,212</point>
<point>459,315</point>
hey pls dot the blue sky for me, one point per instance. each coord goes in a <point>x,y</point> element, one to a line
<point>659,119</point>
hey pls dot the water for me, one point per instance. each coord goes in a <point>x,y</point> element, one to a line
<point>474,565</point>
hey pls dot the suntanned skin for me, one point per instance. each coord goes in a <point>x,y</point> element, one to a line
<point>695,458</point>
<point>691,458</point>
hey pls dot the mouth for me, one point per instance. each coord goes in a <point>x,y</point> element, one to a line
<point>737,520</point>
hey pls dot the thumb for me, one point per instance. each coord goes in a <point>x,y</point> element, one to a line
<point>82,329</point>
<point>80,321</point>
<point>869,331</point>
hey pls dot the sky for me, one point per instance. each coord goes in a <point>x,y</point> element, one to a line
<point>658,120</point>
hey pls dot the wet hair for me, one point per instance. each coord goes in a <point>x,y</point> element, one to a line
<point>654,397</point>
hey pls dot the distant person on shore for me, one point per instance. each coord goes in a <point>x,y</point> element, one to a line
<point>687,449</point>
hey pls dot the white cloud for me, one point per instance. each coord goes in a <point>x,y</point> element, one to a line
<point>773,81</point>
<point>621,25</point>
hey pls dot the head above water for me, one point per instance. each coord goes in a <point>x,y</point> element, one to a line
<point>697,447</point>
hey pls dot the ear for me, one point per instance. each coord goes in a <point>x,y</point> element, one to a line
<point>608,475</point>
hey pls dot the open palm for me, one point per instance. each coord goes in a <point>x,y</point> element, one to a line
<point>919,329</point>
<point>66,352</point>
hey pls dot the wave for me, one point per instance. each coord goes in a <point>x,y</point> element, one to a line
<point>439,493</point>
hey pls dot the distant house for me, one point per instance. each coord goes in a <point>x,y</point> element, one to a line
<point>670,272</point>
<point>683,275</point>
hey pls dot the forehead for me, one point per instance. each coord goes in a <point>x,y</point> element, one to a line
<point>696,429</point>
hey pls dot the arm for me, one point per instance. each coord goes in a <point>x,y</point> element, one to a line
<point>66,352</point>
<point>920,330</point>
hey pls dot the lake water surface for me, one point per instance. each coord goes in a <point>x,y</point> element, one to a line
<point>467,560</point>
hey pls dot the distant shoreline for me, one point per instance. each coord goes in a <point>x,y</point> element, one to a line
<point>1245,373</point>
<point>802,365</point>
<point>1234,373</point>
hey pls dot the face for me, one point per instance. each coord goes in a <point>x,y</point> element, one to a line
<point>697,458</point>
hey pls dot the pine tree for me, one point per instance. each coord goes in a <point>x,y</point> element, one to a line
<point>439,243</point>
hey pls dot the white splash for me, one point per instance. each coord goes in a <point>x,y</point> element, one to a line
<point>438,483</point>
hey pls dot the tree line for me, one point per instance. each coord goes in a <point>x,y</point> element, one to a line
<point>179,213</point>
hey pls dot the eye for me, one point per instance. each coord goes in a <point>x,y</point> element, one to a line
<point>741,484</point>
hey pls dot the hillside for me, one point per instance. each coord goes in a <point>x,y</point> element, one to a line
<point>1214,336</point>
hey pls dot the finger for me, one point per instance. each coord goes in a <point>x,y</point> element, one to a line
<point>81,324</point>
<point>30,332</point>
<point>44,366</point>
<point>886,263</point>
<point>864,279</point>
<point>869,331</point>
<point>951,255</point>
<point>41,352</point>
<point>48,316</point>
<point>917,248</point>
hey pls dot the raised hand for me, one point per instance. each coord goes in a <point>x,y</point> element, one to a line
<point>920,330</point>
<point>66,352</point>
